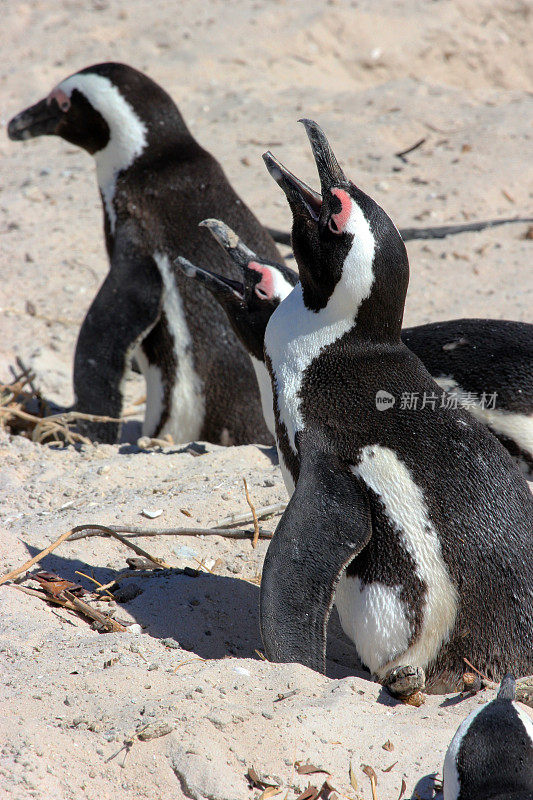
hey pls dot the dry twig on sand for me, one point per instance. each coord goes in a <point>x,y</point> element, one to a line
<point>66,599</point>
<point>373,779</point>
<point>133,531</point>
<point>263,511</point>
<point>64,536</point>
<point>254,515</point>
<point>106,621</point>
<point>43,426</point>
<point>54,427</point>
<point>401,155</point>
<point>29,564</point>
<point>131,545</point>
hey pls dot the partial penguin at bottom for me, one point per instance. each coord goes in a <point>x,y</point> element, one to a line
<point>491,755</point>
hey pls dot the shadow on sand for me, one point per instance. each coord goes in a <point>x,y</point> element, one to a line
<point>425,789</point>
<point>211,615</point>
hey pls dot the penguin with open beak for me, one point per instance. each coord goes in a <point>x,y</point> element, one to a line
<point>413,519</point>
<point>248,303</point>
<point>471,358</point>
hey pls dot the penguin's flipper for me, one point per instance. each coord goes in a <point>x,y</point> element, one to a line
<point>325,525</point>
<point>126,307</point>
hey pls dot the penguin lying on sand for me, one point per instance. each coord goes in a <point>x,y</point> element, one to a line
<point>473,358</point>
<point>156,184</point>
<point>491,755</point>
<point>417,523</point>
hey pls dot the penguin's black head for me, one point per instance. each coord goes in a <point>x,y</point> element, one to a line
<point>249,303</point>
<point>107,107</point>
<point>65,112</point>
<point>349,252</point>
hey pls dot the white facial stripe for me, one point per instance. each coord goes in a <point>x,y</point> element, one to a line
<point>127,131</point>
<point>518,427</point>
<point>357,274</point>
<point>450,774</point>
<point>282,287</point>
<point>374,618</point>
<point>188,401</point>
<point>295,335</point>
<point>404,504</point>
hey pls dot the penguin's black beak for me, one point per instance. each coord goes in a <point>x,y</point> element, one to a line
<point>39,120</point>
<point>238,252</point>
<point>228,239</point>
<point>298,193</point>
<point>226,290</point>
<point>329,171</point>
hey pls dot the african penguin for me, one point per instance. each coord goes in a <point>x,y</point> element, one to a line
<point>157,183</point>
<point>248,303</point>
<point>417,522</point>
<point>491,755</point>
<point>480,361</point>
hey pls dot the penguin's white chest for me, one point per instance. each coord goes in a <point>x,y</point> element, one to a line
<point>265,392</point>
<point>374,615</point>
<point>294,337</point>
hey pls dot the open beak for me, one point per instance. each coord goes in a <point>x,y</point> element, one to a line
<point>329,172</point>
<point>224,289</point>
<point>238,251</point>
<point>296,190</point>
<point>38,120</point>
<point>228,239</point>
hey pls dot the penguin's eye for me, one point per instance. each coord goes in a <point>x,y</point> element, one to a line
<point>338,221</point>
<point>264,288</point>
<point>332,225</point>
<point>62,99</point>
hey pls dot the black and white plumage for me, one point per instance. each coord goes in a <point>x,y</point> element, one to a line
<point>485,357</point>
<point>157,183</point>
<point>417,523</point>
<point>471,358</point>
<point>491,755</point>
<point>248,303</point>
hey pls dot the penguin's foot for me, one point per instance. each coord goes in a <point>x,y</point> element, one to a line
<point>406,683</point>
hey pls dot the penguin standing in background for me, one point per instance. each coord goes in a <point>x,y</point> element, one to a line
<point>474,359</point>
<point>415,522</point>
<point>156,184</point>
<point>491,755</point>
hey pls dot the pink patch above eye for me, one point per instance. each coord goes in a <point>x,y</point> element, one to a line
<point>341,219</point>
<point>266,284</point>
<point>62,99</point>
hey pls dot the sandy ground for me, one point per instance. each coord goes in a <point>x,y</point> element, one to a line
<point>378,76</point>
